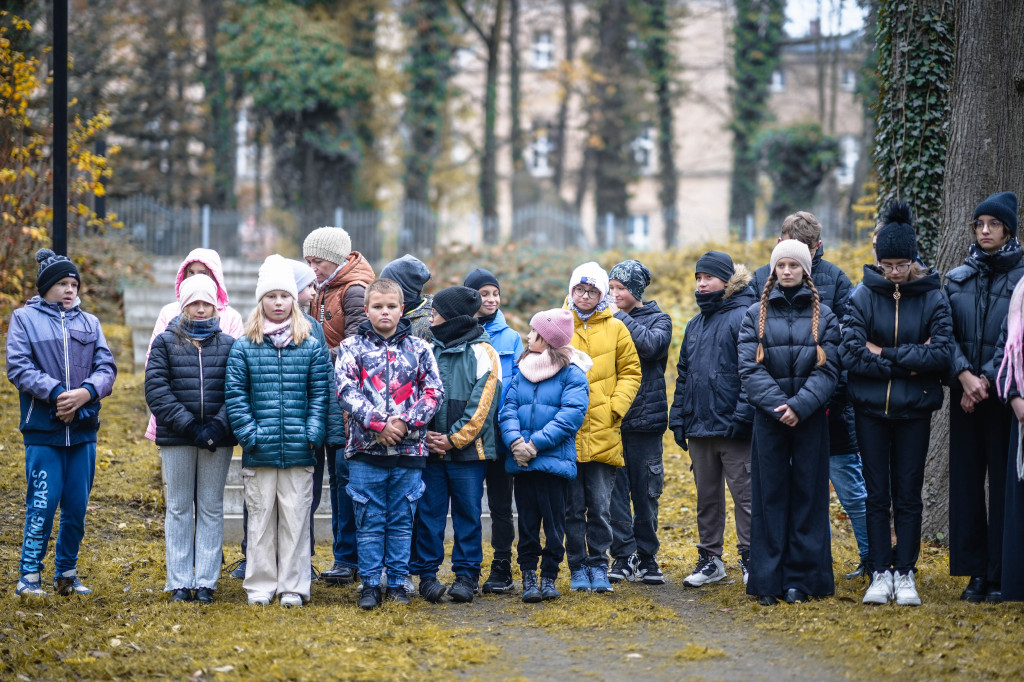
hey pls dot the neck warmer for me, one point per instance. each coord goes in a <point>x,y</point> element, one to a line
<point>537,367</point>
<point>487,319</point>
<point>1004,259</point>
<point>586,316</point>
<point>198,330</point>
<point>280,334</point>
<point>456,330</point>
<point>710,302</point>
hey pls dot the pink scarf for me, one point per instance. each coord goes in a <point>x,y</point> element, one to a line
<point>536,367</point>
<point>280,334</point>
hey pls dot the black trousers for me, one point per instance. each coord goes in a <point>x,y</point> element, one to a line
<point>499,503</point>
<point>893,453</point>
<point>790,543</point>
<point>540,500</point>
<point>1012,580</point>
<point>978,447</point>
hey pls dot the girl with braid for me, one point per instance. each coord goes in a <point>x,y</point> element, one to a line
<point>789,366</point>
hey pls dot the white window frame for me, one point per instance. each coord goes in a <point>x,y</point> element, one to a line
<point>777,81</point>
<point>639,236</point>
<point>643,151</point>
<point>540,152</point>
<point>543,50</point>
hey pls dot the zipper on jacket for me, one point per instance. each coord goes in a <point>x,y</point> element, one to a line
<point>895,342</point>
<point>67,372</point>
<point>202,396</point>
<point>280,412</point>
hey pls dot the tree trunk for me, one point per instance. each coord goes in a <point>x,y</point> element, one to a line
<point>517,146</point>
<point>662,67</point>
<point>221,137</point>
<point>565,80</point>
<point>985,154</point>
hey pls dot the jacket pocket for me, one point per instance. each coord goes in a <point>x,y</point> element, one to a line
<point>655,478</point>
<point>80,348</point>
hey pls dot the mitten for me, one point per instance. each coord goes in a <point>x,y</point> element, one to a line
<point>680,435</point>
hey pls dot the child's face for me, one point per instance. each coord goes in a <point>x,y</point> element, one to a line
<point>788,272</point>
<point>65,291</point>
<point>306,295</point>
<point>586,297</point>
<point>277,305</point>
<point>535,344</point>
<point>196,268</point>
<point>896,270</point>
<point>322,268</point>
<point>623,299</point>
<point>200,310</point>
<point>490,299</point>
<point>384,310</point>
<point>708,284</point>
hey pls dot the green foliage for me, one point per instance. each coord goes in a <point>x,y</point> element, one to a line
<point>796,159</point>
<point>916,49</point>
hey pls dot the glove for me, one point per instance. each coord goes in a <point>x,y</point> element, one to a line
<point>680,435</point>
<point>192,432</point>
<point>519,452</point>
<point>209,435</point>
<point>531,449</point>
<point>738,431</point>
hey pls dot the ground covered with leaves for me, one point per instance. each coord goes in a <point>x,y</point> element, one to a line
<point>128,628</point>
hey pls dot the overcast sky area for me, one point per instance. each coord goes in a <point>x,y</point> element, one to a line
<point>799,14</point>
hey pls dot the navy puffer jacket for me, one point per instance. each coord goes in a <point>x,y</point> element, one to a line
<point>905,382</point>
<point>789,373</point>
<point>277,401</point>
<point>651,330</point>
<point>185,385</point>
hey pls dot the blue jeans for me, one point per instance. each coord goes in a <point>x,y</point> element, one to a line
<point>848,481</point>
<point>57,477</point>
<point>588,517</point>
<point>343,520</point>
<point>459,485</point>
<point>384,501</point>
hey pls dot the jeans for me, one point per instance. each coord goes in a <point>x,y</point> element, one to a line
<point>194,521</point>
<point>848,480</point>
<point>57,477</point>
<point>540,499</point>
<point>459,485</point>
<point>718,461</point>
<point>499,502</point>
<point>384,501</point>
<point>343,520</point>
<point>588,527</point>
<point>318,489</point>
<point>634,502</point>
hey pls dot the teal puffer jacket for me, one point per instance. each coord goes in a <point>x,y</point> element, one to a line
<point>277,401</point>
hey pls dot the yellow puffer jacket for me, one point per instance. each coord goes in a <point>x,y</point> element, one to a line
<point>614,381</point>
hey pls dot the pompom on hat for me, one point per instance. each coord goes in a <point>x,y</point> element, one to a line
<point>194,289</point>
<point>791,248</point>
<point>52,269</point>
<point>275,275</point>
<point>554,326</point>
<point>328,243</point>
<point>897,238</point>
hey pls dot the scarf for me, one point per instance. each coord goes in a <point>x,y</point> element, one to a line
<point>487,319</point>
<point>280,334</point>
<point>537,367</point>
<point>197,330</point>
<point>457,330</point>
<point>586,316</point>
<point>1002,260</point>
<point>710,302</point>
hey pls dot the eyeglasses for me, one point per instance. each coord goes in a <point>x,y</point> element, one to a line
<point>993,224</point>
<point>902,268</point>
<point>583,292</point>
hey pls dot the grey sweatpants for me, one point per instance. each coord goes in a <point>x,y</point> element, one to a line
<point>717,461</point>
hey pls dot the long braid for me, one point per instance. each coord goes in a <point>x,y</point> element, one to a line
<point>815,317</point>
<point>759,358</point>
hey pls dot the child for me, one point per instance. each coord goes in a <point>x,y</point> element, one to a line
<point>461,442</point>
<point>544,408</point>
<point>614,381</point>
<point>509,346</point>
<point>789,367</point>
<point>185,391</point>
<point>715,425</point>
<point>896,349</point>
<point>388,382</point>
<point>277,392</point>
<point>635,526</point>
<point>58,359</point>
<point>412,275</point>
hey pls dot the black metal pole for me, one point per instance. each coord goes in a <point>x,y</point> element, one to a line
<point>60,126</point>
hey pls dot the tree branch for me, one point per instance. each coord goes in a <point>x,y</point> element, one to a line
<point>472,23</point>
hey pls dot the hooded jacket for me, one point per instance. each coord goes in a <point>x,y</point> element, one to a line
<point>419,319</point>
<point>509,346</point>
<point>709,397</point>
<point>915,332</point>
<point>651,331</point>
<point>51,350</point>
<point>338,304</point>
<point>471,374</point>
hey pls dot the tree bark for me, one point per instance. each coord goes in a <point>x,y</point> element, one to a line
<point>663,67</point>
<point>220,191</point>
<point>565,81</point>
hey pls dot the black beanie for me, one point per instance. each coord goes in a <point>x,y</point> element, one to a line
<point>1002,205</point>
<point>897,238</point>
<point>480,278</point>
<point>52,269</point>
<point>410,273</point>
<point>716,264</point>
<point>454,301</point>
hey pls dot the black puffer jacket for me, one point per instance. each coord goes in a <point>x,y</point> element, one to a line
<point>789,373</point>
<point>185,386</point>
<point>651,330</point>
<point>832,283</point>
<point>709,397</point>
<point>904,382</point>
<point>979,297</point>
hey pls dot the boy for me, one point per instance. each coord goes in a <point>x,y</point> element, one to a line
<point>389,385</point>
<point>461,443</point>
<point>58,359</point>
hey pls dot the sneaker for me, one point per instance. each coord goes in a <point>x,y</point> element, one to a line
<point>880,589</point>
<point>398,595</point>
<point>579,580</point>
<point>290,599</point>
<point>409,587</point>
<point>204,595</point>
<point>68,584</point>
<point>599,580</point>
<point>624,568</point>
<point>905,589</point>
<point>237,569</point>
<point>369,597</point>
<point>29,586</point>
<point>548,589</point>
<point>860,572</point>
<point>709,569</point>
<point>259,601</point>
<point>648,571</point>
<point>531,591</point>
<point>500,579</point>
<point>745,563</point>
<point>462,590</point>
<point>431,589</point>
<point>340,574</point>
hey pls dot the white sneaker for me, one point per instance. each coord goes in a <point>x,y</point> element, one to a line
<point>289,599</point>
<point>709,569</point>
<point>259,601</point>
<point>880,590</point>
<point>906,589</point>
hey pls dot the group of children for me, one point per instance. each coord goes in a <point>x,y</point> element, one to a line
<point>413,402</point>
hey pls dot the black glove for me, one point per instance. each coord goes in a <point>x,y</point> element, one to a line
<point>680,435</point>
<point>738,431</point>
<point>209,435</point>
<point>192,431</point>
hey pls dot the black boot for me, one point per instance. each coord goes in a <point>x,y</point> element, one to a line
<point>531,593</point>
<point>500,579</point>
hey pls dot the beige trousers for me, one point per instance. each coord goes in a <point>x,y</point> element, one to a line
<point>277,555</point>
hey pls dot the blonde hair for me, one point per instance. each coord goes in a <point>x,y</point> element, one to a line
<point>301,327</point>
<point>383,285</point>
<point>803,227</point>
<point>815,317</point>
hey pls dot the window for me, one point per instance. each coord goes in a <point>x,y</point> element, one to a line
<point>777,83</point>
<point>643,151</point>
<point>849,151</point>
<point>849,82</point>
<point>541,150</point>
<point>543,50</point>
<point>639,232</point>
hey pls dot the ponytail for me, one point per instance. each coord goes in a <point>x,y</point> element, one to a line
<point>759,357</point>
<point>815,317</point>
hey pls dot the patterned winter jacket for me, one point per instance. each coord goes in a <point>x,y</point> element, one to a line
<point>379,378</point>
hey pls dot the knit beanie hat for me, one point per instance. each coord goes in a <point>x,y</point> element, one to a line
<point>633,275</point>
<point>275,275</point>
<point>791,248</point>
<point>480,278</point>
<point>329,243</point>
<point>716,264</point>
<point>1002,205</point>
<point>410,273</point>
<point>52,269</point>
<point>554,326</point>
<point>897,238</point>
<point>304,275</point>
<point>194,289</point>
<point>590,273</point>
<point>451,302</point>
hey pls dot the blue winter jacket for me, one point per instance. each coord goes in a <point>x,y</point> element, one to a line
<point>277,401</point>
<point>548,413</point>
<point>51,350</point>
<point>509,345</point>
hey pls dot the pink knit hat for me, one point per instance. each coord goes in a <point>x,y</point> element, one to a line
<point>554,326</point>
<point>197,288</point>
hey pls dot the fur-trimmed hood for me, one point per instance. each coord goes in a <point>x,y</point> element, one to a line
<point>740,279</point>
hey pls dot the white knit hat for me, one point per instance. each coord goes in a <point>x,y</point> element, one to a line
<point>197,288</point>
<point>304,275</point>
<point>590,273</point>
<point>275,275</point>
<point>791,248</point>
<point>329,243</point>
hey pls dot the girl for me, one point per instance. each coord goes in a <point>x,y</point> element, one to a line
<point>185,391</point>
<point>544,407</point>
<point>277,391</point>
<point>896,349</point>
<point>788,366</point>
